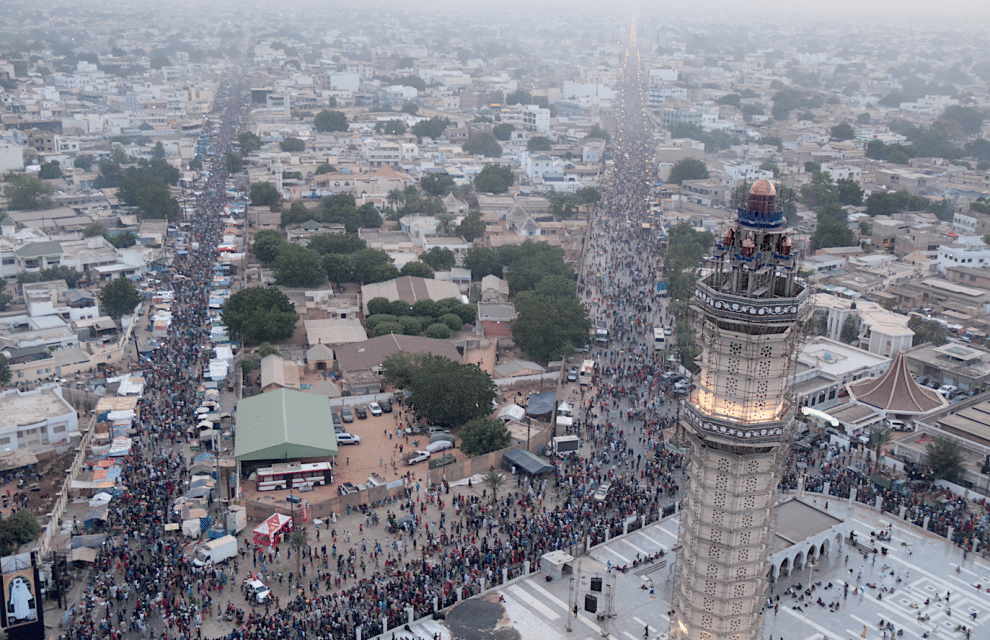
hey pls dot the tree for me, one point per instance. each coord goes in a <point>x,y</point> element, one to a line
<point>292,145</point>
<point>484,435</point>
<point>494,481</point>
<point>503,131</point>
<point>436,184</point>
<point>688,169</point>
<point>266,349</point>
<point>927,331</point>
<point>150,194</point>
<point>494,178</point>
<point>264,194</point>
<point>820,191</point>
<point>83,162</point>
<point>943,459</point>
<point>483,143</point>
<point>297,266</point>
<point>539,143</point>
<point>439,259</point>
<point>267,242</point>
<point>233,162</point>
<point>337,267</point>
<point>482,261</point>
<point>392,127</point>
<point>969,119</point>
<point>418,269</point>
<point>588,195</point>
<point>249,142</point>
<point>324,168</point>
<point>20,528</point>
<point>259,314</point>
<point>453,321</point>
<point>547,327</point>
<point>327,120</point>
<point>849,192</point>
<point>432,128</point>
<point>530,262</point>
<point>342,243</point>
<point>438,331</point>
<point>471,226</point>
<point>27,192</point>
<point>5,300</point>
<point>445,224</point>
<point>831,233</point>
<point>598,132</point>
<point>123,239</point>
<point>5,373</point>
<point>119,297</point>
<point>195,164</point>
<point>410,108</point>
<point>850,330</point>
<point>93,230</point>
<point>842,131</point>
<point>880,436</point>
<point>50,170</point>
<point>372,265</point>
<point>444,392</point>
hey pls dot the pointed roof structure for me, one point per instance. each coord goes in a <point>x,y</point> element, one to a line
<point>896,391</point>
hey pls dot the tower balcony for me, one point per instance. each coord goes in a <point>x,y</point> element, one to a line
<point>735,433</point>
<point>764,311</point>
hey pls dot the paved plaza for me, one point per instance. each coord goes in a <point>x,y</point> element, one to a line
<point>924,568</point>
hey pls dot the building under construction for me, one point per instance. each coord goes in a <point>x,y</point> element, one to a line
<point>748,311</point>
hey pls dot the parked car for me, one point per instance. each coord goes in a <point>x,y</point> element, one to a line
<point>667,331</point>
<point>602,491</point>
<point>375,409</point>
<point>948,389</point>
<point>439,445</point>
<point>417,456</point>
<point>259,591</point>
<point>335,418</point>
<point>348,438</point>
<point>346,414</point>
<point>361,412</point>
<point>572,375</point>
<point>386,406</point>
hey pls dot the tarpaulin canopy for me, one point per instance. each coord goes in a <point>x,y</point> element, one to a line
<point>528,462</point>
<point>271,530</point>
<point>190,528</point>
<point>83,554</point>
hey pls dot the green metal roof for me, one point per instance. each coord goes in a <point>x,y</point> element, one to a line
<point>46,249</point>
<point>284,425</point>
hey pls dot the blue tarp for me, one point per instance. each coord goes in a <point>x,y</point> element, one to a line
<point>541,404</point>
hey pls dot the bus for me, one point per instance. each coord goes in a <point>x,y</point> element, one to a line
<point>659,339</point>
<point>587,371</point>
<point>295,475</point>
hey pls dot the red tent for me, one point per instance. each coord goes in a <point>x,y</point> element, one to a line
<point>270,532</point>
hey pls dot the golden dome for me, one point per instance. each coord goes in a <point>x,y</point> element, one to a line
<point>762,187</point>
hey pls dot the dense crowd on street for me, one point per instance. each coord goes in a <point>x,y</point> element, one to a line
<point>459,540</point>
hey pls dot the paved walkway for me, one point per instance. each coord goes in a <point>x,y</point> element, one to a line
<point>920,566</point>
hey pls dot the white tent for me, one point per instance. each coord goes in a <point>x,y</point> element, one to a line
<point>512,412</point>
<point>190,528</point>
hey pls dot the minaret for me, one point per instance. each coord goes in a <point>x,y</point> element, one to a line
<point>747,310</point>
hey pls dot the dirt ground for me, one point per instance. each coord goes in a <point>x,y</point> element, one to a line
<point>40,497</point>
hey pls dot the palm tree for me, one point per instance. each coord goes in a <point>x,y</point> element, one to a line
<point>494,480</point>
<point>394,197</point>
<point>445,224</point>
<point>880,436</point>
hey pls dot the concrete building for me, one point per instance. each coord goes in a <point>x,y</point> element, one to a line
<point>963,366</point>
<point>37,419</point>
<point>738,423</point>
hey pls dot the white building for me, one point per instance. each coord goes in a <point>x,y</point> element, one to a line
<point>970,251</point>
<point>36,419</point>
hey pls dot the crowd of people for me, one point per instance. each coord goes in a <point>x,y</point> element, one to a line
<point>456,542</point>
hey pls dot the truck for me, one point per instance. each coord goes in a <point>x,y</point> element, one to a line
<point>601,332</point>
<point>563,445</point>
<point>216,551</point>
<point>587,372</point>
